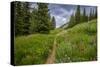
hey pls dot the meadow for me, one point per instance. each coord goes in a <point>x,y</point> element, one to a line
<point>78,43</point>
<point>32,49</point>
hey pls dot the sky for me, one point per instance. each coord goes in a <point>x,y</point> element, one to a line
<point>62,12</point>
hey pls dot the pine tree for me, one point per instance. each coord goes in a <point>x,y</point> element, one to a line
<point>43,19</point>
<point>96,13</point>
<point>77,15</point>
<point>84,15</point>
<point>26,18</point>
<point>72,21</point>
<point>91,14</point>
<point>53,23</point>
<point>18,18</point>
<point>34,20</point>
<point>50,21</point>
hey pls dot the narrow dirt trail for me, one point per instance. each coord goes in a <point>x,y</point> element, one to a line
<point>51,57</point>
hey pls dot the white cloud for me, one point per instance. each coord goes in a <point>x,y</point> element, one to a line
<point>63,17</point>
<point>60,21</point>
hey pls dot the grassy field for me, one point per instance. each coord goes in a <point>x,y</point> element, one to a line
<point>78,43</point>
<point>32,49</point>
<point>75,44</point>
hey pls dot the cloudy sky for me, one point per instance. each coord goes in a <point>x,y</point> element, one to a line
<point>63,12</point>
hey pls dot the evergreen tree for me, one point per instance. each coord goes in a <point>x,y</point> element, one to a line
<point>96,13</point>
<point>82,17</point>
<point>39,21</point>
<point>85,18</point>
<point>26,18</point>
<point>91,14</point>
<point>75,19</point>
<point>53,23</point>
<point>43,18</point>
<point>50,21</point>
<point>72,21</point>
<point>77,15</point>
<point>18,18</point>
<point>33,20</point>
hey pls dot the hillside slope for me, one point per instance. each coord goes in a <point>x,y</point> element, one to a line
<point>78,43</point>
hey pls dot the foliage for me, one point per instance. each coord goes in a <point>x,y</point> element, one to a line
<point>79,17</point>
<point>56,31</point>
<point>79,43</point>
<point>43,20</point>
<point>53,25</point>
<point>32,49</point>
<point>19,24</point>
<point>37,21</point>
<point>26,18</point>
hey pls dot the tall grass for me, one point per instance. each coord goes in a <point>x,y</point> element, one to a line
<point>56,31</point>
<point>78,43</point>
<point>32,49</point>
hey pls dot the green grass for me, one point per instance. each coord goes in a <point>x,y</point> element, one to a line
<point>78,43</point>
<point>32,49</point>
<point>75,44</point>
<point>56,31</point>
